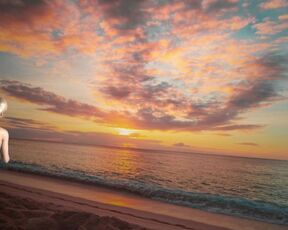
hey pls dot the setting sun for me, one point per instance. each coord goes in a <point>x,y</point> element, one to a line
<point>124,132</point>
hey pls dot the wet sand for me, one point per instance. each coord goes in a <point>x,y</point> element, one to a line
<point>30,201</point>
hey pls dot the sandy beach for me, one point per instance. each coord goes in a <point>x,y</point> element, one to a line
<point>30,201</point>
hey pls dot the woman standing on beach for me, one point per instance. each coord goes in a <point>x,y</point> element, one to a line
<point>4,135</point>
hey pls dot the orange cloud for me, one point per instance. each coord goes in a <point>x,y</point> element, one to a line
<point>44,28</point>
<point>283,17</point>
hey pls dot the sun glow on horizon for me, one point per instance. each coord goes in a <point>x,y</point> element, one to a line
<point>125,132</point>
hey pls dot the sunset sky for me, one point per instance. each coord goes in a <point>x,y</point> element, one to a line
<point>204,76</point>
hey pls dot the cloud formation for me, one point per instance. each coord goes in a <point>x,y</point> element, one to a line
<point>147,118</point>
<point>273,4</point>
<point>269,27</point>
<point>165,65</point>
<point>21,128</point>
<point>249,144</point>
<point>182,145</point>
<point>51,101</point>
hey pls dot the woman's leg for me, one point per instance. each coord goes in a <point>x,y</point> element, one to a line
<point>4,137</point>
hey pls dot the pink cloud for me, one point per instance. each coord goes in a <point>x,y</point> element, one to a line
<point>273,4</point>
<point>269,27</point>
<point>238,127</point>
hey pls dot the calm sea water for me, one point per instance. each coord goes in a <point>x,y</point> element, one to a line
<point>246,187</point>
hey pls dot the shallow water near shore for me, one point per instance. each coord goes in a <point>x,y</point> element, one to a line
<point>246,187</point>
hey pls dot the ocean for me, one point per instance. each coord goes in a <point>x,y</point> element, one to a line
<point>244,187</point>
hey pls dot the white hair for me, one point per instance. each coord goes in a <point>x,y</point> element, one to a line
<point>3,106</point>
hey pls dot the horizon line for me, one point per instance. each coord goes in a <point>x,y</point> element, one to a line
<point>146,149</point>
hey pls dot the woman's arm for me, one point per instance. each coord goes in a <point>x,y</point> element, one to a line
<point>5,145</point>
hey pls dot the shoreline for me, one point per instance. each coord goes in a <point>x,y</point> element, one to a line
<point>128,207</point>
<point>232,205</point>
